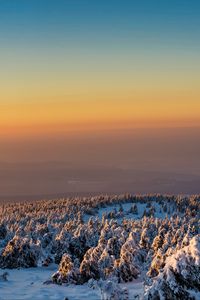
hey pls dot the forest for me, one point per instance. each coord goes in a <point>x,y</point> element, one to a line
<point>106,241</point>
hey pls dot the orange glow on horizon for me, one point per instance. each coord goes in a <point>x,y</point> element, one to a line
<point>65,116</point>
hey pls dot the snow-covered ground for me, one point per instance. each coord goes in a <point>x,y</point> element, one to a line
<point>141,207</point>
<point>127,206</point>
<point>149,244</point>
<point>28,284</point>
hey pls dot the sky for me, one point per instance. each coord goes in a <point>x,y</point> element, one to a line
<point>91,88</point>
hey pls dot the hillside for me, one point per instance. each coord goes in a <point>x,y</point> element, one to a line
<point>103,247</point>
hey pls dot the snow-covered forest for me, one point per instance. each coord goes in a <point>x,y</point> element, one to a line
<point>106,244</point>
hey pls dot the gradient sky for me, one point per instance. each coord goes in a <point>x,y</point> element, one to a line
<point>71,63</point>
<point>83,67</point>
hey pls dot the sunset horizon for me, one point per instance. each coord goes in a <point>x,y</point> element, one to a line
<point>89,64</point>
<point>99,150</point>
<point>99,86</point>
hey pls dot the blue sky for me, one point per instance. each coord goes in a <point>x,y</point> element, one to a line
<point>44,20</point>
<point>79,78</point>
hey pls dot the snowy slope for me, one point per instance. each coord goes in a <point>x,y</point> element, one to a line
<point>27,284</point>
<point>117,242</point>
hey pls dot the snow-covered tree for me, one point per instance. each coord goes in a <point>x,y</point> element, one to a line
<point>180,274</point>
<point>68,271</point>
<point>19,253</point>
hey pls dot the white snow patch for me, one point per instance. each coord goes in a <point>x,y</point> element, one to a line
<point>27,284</point>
